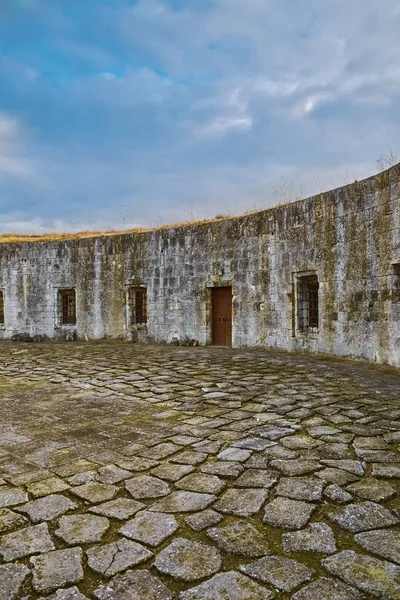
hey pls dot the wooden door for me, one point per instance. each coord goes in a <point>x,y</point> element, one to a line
<point>221,316</point>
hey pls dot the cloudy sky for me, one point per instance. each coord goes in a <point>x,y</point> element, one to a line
<point>116,113</point>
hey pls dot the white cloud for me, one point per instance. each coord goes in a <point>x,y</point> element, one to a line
<point>12,162</point>
<point>221,126</point>
<point>334,50</point>
<point>220,106</point>
<point>231,113</point>
<point>136,87</point>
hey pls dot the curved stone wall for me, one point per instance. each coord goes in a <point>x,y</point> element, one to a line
<point>347,239</point>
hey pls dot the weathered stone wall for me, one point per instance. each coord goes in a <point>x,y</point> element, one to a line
<point>349,237</point>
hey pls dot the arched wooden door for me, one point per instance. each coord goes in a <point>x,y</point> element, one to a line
<point>221,312</point>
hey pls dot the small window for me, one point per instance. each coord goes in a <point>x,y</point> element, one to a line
<point>1,308</point>
<point>307,303</point>
<point>67,307</point>
<point>137,298</point>
<point>396,282</point>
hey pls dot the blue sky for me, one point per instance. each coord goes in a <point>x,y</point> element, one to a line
<point>116,113</point>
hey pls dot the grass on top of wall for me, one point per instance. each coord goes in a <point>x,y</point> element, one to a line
<point>8,238</point>
<point>15,238</point>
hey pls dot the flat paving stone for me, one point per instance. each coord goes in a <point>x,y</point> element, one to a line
<point>110,559</point>
<point>12,577</point>
<point>273,432</point>
<point>335,493</point>
<point>183,501</point>
<point>372,489</point>
<point>363,517</point>
<point>69,594</point>
<point>112,474</point>
<point>300,442</point>
<point>201,482</point>
<point>52,485</point>
<point>386,471</point>
<point>240,538</point>
<point>322,430</point>
<point>82,478</point>
<point>27,541</point>
<point>278,452</point>
<point>227,586</point>
<point>77,466</point>
<point>383,542</point>
<point>150,528</point>
<point>187,561</point>
<point>190,457</point>
<point>208,447</point>
<point>327,589</point>
<point>210,395</point>
<point>317,537</point>
<point>223,469</point>
<point>234,454</point>
<point>352,466</point>
<point>243,502</point>
<point>377,578</point>
<point>185,440</point>
<point>378,456</point>
<point>201,520</point>
<point>10,520</point>
<point>338,476</point>
<point>283,573</point>
<point>120,508</point>
<point>47,508</point>
<point>137,463</point>
<point>134,585</point>
<point>253,478</point>
<point>300,488</point>
<point>81,529</point>
<point>95,492</point>
<point>25,478</point>
<point>57,569</point>
<point>12,497</point>
<point>252,444</point>
<point>161,451</point>
<point>146,486</point>
<point>172,472</point>
<point>291,468</point>
<point>371,443</point>
<point>335,451</point>
<point>126,401</point>
<point>287,513</point>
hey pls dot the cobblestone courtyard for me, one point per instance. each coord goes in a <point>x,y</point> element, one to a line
<point>133,472</point>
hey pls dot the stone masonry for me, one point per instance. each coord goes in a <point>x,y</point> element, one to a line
<point>348,240</point>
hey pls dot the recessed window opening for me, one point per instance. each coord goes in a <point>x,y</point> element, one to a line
<point>137,298</point>
<point>307,304</point>
<point>1,308</point>
<point>396,282</point>
<point>67,307</point>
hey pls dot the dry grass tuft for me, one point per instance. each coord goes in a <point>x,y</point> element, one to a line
<point>16,238</point>
<point>11,238</point>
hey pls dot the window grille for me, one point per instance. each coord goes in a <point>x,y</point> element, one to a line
<point>307,302</point>
<point>396,282</point>
<point>137,298</point>
<point>67,307</point>
<point>1,308</point>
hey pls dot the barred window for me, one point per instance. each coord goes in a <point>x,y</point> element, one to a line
<point>67,307</point>
<point>396,282</point>
<point>307,303</point>
<point>137,298</point>
<point>1,308</point>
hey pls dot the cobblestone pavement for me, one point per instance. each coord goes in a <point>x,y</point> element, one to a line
<point>134,472</point>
